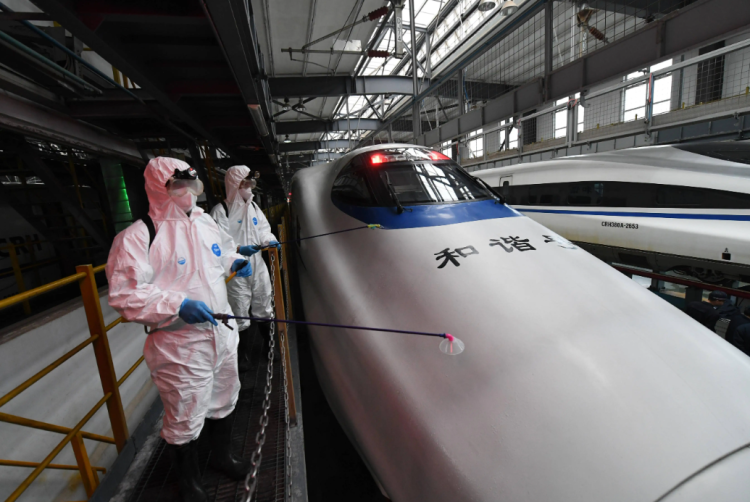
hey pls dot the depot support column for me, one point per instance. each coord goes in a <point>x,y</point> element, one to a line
<point>415,119</point>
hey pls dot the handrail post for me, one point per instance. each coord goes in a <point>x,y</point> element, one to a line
<point>283,235</point>
<point>279,300</point>
<point>88,475</point>
<point>93,309</point>
<point>19,276</point>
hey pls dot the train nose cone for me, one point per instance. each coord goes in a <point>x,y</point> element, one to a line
<point>726,480</point>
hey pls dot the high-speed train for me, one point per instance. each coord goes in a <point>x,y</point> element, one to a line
<point>684,208</point>
<point>576,383</point>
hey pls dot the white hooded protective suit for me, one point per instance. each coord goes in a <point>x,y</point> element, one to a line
<point>194,366</point>
<point>248,226</point>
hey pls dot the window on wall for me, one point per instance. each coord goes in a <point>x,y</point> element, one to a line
<point>634,97</point>
<point>710,78</point>
<point>662,89</point>
<point>513,137</point>
<point>507,138</point>
<point>580,111</point>
<point>561,119</point>
<point>475,144</point>
<point>446,148</point>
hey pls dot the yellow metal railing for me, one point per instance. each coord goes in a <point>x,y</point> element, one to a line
<point>17,270</point>
<point>85,277</point>
<point>281,269</point>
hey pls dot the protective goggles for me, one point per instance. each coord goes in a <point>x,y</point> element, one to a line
<point>183,182</point>
<point>250,182</point>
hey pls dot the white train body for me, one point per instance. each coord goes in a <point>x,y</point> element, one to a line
<point>576,384</point>
<point>660,207</point>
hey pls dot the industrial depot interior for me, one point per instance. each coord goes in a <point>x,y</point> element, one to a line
<point>507,246</point>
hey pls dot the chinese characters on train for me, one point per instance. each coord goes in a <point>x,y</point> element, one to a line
<point>507,244</point>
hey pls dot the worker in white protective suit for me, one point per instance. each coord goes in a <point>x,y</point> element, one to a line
<point>241,218</point>
<point>168,272</point>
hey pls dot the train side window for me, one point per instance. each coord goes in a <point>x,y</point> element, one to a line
<point>519,194</point>
<point>727,200</point>
<point>585,194</point>
<point>351,187</point>
<point>617,195</point>
<point>679,196</point>
<point>545,194</point>
<point>625,194</point>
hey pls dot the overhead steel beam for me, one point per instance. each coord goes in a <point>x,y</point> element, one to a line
<point>311,126</point>
<point>288,87</point>
<point>303,146</point>
<point>117,53</point>
<point>674,34</point>
<point>235,30</point>
<point>678,32</point>
<point>446,9</point>
<point>23,87</point>
<point>406,27</point>
<point>314,157</point>
<point>33,120</point>
<point>639,8</point>
<point>108,109</point>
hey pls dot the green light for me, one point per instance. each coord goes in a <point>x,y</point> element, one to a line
<point>117,194</point>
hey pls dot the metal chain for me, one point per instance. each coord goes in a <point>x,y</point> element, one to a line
<point>283,345</point>
<point>251,481</point>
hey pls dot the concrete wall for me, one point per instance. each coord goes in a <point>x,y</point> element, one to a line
<point>64,396</point>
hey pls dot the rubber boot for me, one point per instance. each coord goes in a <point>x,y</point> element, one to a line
<point>222,458</point>
<point>185,460</point>
<point>243,351</point>
<point>264,328</point>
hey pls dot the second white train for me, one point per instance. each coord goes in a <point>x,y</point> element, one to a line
<point>684,208</point>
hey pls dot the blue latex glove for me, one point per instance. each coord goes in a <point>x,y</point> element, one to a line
<point>275,243</point>
<point>243,268</point>
<point>195,311</point>
<point>248,250</point>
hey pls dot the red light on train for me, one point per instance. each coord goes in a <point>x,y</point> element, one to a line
<point>378,158</point>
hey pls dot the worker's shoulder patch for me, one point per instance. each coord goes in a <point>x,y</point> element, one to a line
<point>255,220</point>
<point>216,249</point>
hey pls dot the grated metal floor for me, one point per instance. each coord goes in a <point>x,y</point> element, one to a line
<point>158,482</point>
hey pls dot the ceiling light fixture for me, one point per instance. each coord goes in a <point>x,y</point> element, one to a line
<point>487,5</point>
<point>286,139</point>
<point>286,106</point>
<point>509,8</point>
<point>299,107</point>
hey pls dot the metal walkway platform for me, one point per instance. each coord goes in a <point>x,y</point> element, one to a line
<point>158,480</point>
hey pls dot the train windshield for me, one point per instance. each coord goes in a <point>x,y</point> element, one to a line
<point>411,175</point>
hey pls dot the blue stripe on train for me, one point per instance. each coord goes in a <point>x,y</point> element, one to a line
<point>429,215</point>
<point>682,216</point>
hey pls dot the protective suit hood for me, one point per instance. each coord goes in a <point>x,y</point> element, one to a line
<point>161,205</point>
<point>232,180</point>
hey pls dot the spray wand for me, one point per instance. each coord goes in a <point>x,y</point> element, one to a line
<point>450,344</point>
<point>371,226</point>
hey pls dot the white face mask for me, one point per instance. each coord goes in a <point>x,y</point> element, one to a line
<point>186,202</point>
<point>246,193</point>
